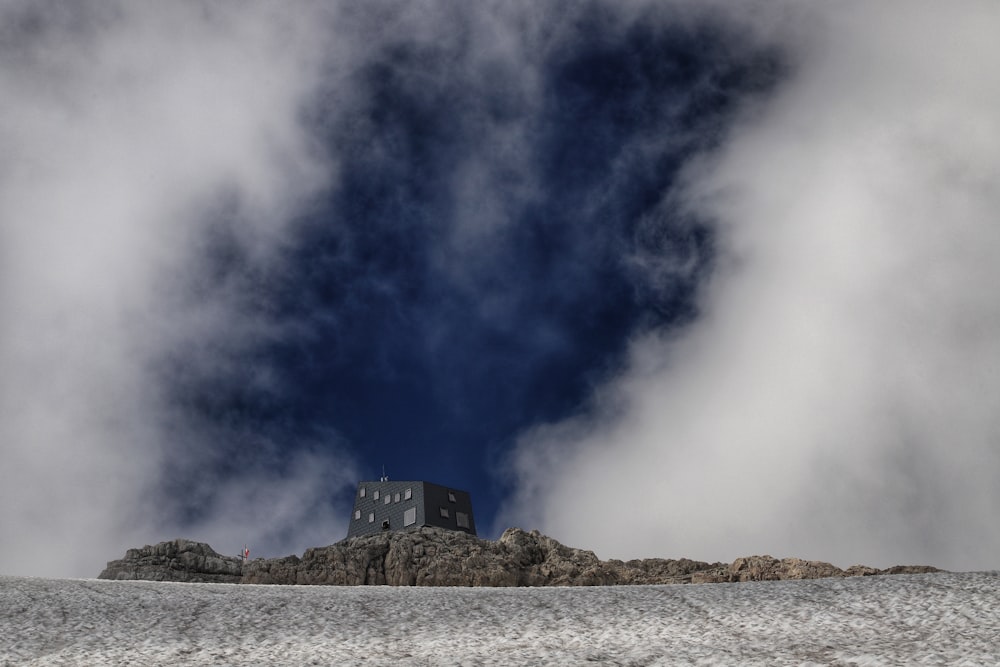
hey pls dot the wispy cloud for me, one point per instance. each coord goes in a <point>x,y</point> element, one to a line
<point>837,396</point>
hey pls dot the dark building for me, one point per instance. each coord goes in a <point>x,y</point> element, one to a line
<point>385,505</point>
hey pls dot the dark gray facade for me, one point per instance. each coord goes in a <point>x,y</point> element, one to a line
<point>389,505</point>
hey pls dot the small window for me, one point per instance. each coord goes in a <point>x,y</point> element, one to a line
<point>388,499</point>
<point>462,519</point>
<point>375,495</point>
<point>371,517</point>
<point>410,516</point>
<point>451,496</point>
<point>407,494</point>
<point>361,493</point>
<point>444,513</point>
<point>357,514</point>
<point>397,498</point>
<point>385,525</point>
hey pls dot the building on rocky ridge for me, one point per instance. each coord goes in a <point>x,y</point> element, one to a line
<point>388,505</point>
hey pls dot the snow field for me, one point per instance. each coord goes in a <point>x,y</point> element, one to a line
<point>931,619</point>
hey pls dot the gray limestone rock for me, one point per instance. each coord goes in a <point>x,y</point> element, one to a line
<point>176,560</point>
<point>767,568</point>
<point>438,557</point>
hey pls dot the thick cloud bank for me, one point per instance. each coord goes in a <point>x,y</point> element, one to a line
<point>838,396</point>
<point>129,133</point>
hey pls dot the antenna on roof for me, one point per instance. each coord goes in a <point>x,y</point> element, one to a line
<point>385,478</point>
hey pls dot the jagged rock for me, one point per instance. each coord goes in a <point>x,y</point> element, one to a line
<point>909,569</point>
<point>437,557</point>
<point>766,568</point>
<point>176,560</point>
<point>663,571</point>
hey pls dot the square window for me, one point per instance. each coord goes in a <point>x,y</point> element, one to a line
<point>444,513</point>
<point>371,517</point>
<point>410,516</point>
<point>357,514</point>
<point>407,494</point>
<point>362,492</point>
<point>451,496</point>
<point>388,499</point>
<point>462,519</point>
<point>397,498</point>
<point>375,495</point>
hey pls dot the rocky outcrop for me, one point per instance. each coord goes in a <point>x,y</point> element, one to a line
<point>177,560</point>
<point>907,569</point>
<point>767,568</point>
<point>661,571</point>
<point>437,557</point>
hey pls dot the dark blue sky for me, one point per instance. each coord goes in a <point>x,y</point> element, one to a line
<point>429,355</point>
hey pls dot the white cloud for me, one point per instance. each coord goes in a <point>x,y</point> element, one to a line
<point>127,129</point>
<point>837,398</point>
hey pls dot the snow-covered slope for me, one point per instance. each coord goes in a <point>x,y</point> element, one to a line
<point>935,619</point>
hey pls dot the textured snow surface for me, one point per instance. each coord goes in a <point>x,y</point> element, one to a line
<point>919,619</point>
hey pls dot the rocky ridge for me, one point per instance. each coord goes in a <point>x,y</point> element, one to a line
<point>176,560</point>
<point>437,557</point>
